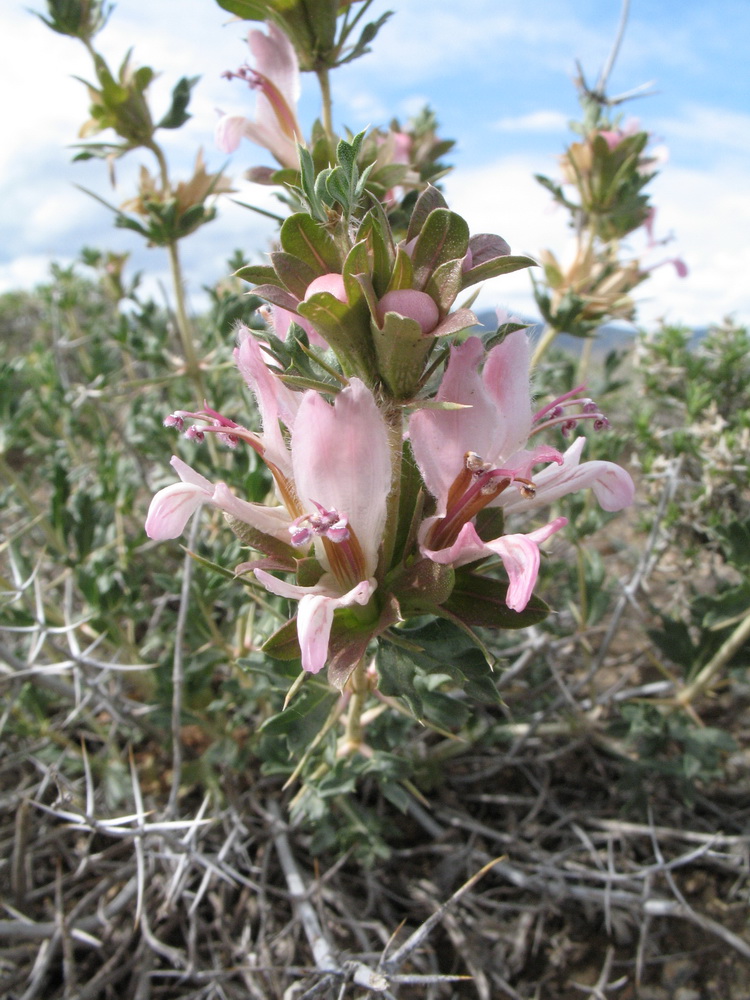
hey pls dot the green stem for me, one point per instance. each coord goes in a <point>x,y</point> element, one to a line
<point>327,103</point>
<point>585,360</point>
<point>542,346</point>
<point>723,655</point>
<point>395,422</point>
<point>184,326</point>
<point>353,732</point>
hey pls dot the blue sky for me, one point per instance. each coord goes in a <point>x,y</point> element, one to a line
<point>498,73</point>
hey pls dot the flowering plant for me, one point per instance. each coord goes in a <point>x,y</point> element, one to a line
<point>398,441</point>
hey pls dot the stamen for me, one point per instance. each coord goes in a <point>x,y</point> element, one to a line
<point>325,524</point>
<point>227,431</point>
<point>557,413</point>
<point>342,548</point>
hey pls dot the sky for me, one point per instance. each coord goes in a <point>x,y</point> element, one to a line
<point>499,76</point>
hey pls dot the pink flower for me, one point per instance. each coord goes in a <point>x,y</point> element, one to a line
<point>342,474</point>
<point>332,482</point>
<point>171,508</point>
<point>478,456</point>
<point>276,78</point>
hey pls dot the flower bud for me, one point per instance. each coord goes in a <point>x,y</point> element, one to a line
<point>413,305</point>
<point>331,283</point>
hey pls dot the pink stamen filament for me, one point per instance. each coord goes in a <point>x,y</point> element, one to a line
<point>588,410</point>
<point>464,504</point>
<point>556,402</point>
<point>232,434</point>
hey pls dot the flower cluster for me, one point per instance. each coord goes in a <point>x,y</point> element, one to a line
<point>336,464</point>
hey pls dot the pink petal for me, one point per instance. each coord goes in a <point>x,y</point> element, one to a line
<point>332,283</point>
<point>341,459</point>
<point>276,59</point>
<point>274,140</point>
<point>188,475</point>
<point>171,509</point>
<point>506,378</point>
<point>273,521</point>
<point>275,120</point>
<point>229,131</point>
<point>315,612</point>
<point>314,621</point>
<point>519,554</point>
<point>441,438</point>
<point>276,401</point>
<point>613,487</point>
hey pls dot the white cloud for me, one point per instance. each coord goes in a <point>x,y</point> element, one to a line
<point>708,211</point>
<point>425,39</point>
<point>26,271</point>
<point>535,121</point>
<point>717,130</point>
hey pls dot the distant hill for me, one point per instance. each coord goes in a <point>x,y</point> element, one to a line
<point>612,336</point>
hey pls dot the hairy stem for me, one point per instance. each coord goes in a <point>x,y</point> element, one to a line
<point>353,731</point>
<point>395,421</point>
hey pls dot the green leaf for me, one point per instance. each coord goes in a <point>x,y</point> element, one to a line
<point>177,114</point>
<point>439,647</point>
<point>301,721</point>
<point>444,284</point>
<point>444,237</point>
<point>259,274</point>
<point>426,203</point>
<point>421,587</point>
<point>375,231</point>
<point>402,275</point>
<point>480,601</point>
<point>305,238</point>
<point>396,671</point>
<point>493,268</point>
<point>295,273</point>
<point>278,296</point>
<point>346,328</point>
<point>284,643</point>
<point>248,10</point>
<point>338,188</point>
<point>401,349</point>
